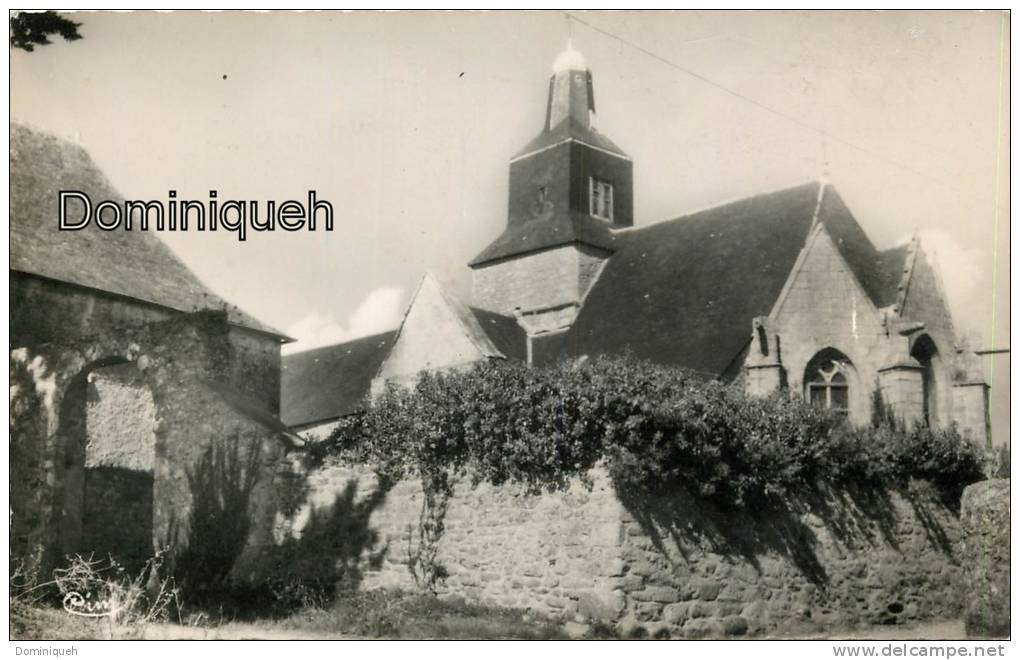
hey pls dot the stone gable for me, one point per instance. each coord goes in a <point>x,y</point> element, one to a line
<point>824,306</point>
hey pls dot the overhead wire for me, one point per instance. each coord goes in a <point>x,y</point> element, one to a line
<point>823,133</point>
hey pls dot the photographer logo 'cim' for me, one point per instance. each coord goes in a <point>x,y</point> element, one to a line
<point>90,606</point>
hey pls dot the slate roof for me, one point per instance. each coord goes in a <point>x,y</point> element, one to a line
<point>570,128</point>
<point>251,408</point>
<point>325,383</point>
<point>543,234</point>
<point>504,332</point>
<point>889,271</point>
<point>136,264</point>
<point>469,321</point>
<point>681,292</point>
<point>878,273</point>
<point>684,291</point>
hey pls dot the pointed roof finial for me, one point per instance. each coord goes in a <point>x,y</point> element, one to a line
<point>569,59</point>
<point>824,174</point>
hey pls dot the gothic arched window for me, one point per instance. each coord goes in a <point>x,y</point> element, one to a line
<point>826,384</point>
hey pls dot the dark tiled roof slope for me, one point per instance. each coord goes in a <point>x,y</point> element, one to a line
<point>135,264</point>
<point>543,234</point>
<point>505,333</point>
<point>551,347</point>
<point>684,292</point>
<point>329,382</point>
<point>875,271</point>
<point>889,273</point>
<point>681,292</point>
<point>247,406</point>
<point>570,129</point>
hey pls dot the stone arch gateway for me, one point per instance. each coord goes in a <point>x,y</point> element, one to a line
<point>105,432</point>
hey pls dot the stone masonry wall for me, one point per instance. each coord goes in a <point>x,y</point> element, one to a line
<point>255,368</point>
<point>67,496</point>
<point>499,546</point>
<point>251,453</point>
<point>665,566</point>
<point>984,510</point>
<point>431,337</point>
<point>826,307</point>
<point>550,553</point>
<point>535,281</point>
<point>970,408</point>
<point>849,558</point>
<point>924,302</point>
<point>962,392</point>
<point>121,422</point>
<point>52,312</point>
<point>119,459</point>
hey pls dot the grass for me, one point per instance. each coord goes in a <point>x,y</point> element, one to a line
<point>36,622</point>
<point>396,615</point>
<point>366,615</point>
<point>379,615</point>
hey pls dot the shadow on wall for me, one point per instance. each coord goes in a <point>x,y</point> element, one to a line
<point>117,517</point>
<point>30,412</point>
<point>221,483</point>
<point>333,550</point>
<point>856,518</point>
<point>684,532</point>
<point>329,555</point>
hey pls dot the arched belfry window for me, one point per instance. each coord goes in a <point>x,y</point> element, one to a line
<point>827,382</point>
<point>600,198</point>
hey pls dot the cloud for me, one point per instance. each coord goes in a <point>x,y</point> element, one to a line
<point>379,311</point>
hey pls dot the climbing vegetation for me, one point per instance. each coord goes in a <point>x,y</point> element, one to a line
<point>651,426</point>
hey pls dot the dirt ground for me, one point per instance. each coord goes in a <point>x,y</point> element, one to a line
<point>48,623</point>
<point>952,629</point>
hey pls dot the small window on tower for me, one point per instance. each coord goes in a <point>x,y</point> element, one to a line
<point>600,196</point>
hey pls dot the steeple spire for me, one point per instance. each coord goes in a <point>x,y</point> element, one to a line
<point>571,96</point>
<point>570,189</point>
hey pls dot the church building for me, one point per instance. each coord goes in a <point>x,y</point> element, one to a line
<point>779,291</point>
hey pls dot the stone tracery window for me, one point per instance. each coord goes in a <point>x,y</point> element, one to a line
<point>826,384</point>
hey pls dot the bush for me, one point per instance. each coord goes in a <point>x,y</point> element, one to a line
<point>25,584</point>
<point>653,427</point>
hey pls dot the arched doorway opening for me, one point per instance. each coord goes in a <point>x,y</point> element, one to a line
<point>927,355</point>
<point>108,423</point>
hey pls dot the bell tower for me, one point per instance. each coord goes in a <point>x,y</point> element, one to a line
<point>570,188</point>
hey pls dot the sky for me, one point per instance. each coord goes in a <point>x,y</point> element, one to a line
<point>405,122</point>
